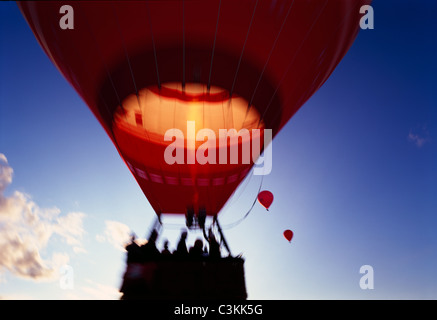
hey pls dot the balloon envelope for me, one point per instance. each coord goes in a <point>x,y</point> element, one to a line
<point>146,67</point>
<point>288,234</point>
<point>265,198</point>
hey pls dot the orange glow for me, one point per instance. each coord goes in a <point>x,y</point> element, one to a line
<point>139,129</point>
<point>151,114</point>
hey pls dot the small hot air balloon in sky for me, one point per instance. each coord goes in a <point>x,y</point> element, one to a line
<point>288,234</point>
<point>265,198</point>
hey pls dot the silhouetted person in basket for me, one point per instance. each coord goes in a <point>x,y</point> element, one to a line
<point>149,251</point>
<point>181,249</point>
<point>165,251</point>
<point>214,246</point>
<point>133,251</point>
<point>196,251</point>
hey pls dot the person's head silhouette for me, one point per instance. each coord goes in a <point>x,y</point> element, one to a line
<point>153,236</point>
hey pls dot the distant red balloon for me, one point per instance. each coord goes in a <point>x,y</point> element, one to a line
<point>288,234</point>
<point>265,198</point>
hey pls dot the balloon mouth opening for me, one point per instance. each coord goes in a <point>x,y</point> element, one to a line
<point>169,137</point>
<point>173,106</point>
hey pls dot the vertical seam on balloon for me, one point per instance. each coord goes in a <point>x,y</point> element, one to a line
<point>213,45</point>
<point>124,49</point>
<point>110,79</point>
<point>292,60</point>
<point>102,60</point>
<point>242,50</point>
<point>267,61</point>
<point>77,53</point>
<point>153,44</point>
<point>223,113</point>
<point>183,45</point>
<point>130,68</point>
<point>100,55</point>
<point>174,125</point>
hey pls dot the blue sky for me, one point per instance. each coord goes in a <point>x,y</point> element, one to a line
<point>354,176</point>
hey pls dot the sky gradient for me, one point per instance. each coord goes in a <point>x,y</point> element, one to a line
<point>354,176</point>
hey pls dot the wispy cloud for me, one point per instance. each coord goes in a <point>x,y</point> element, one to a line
<point>117,234</point>
<point>16,297</point>
<point>419,139</point>
<point>416,139</point>
<point>93,290</point>
<point>100,291</point>
<point>26,230</point>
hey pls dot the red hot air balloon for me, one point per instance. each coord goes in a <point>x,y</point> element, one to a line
<point>288,234</point>
<point>265,198</point>
<point>157,73</point>
<point>146,67</point>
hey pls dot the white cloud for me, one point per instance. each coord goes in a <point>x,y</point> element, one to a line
<point>93,291</point>
<point>79,250</point>
<point>16,296</point>
<point>116,233</point>
<point>97,291</point>
<point>416,139</point>
<point>419,139</point>
<point>5,173</point>
<point>26,229</point>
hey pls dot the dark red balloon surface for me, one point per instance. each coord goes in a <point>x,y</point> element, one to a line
<point>274,54</point>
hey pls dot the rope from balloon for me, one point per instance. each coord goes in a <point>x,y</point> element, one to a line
<point>233,224</point>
